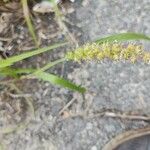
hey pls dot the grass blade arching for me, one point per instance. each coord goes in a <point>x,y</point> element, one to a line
<point>123,37</point>
<point>42,76</point>
<point>59,81</point>
<point>49,65</point>
<point>9,61</point>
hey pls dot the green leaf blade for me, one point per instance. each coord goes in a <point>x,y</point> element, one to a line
<point>49,65</point>
<point>14,72</point>
<point>59,81</point>
<point>9,61</point>
<point>42,76</point>
<point>123,37</point>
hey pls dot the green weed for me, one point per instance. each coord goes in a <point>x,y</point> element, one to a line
<point>90,51</point>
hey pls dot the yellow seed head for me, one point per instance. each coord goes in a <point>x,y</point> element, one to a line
<point>146,57</point>
<point>113,51</point>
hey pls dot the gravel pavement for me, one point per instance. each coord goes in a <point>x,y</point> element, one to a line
<point>120,86</point>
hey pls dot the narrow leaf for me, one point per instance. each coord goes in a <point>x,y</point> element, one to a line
<point>49,65</point>
<point>59,81</point>
<point>28,21</point>
<point>13,59</point>
<point>123,37</point>
<point>44,76</point>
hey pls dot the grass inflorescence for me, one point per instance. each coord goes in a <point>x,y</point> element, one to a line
<point>113,51</point>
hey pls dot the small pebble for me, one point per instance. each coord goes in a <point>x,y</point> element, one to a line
<point>89,126</point>
<point>94,148</point>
